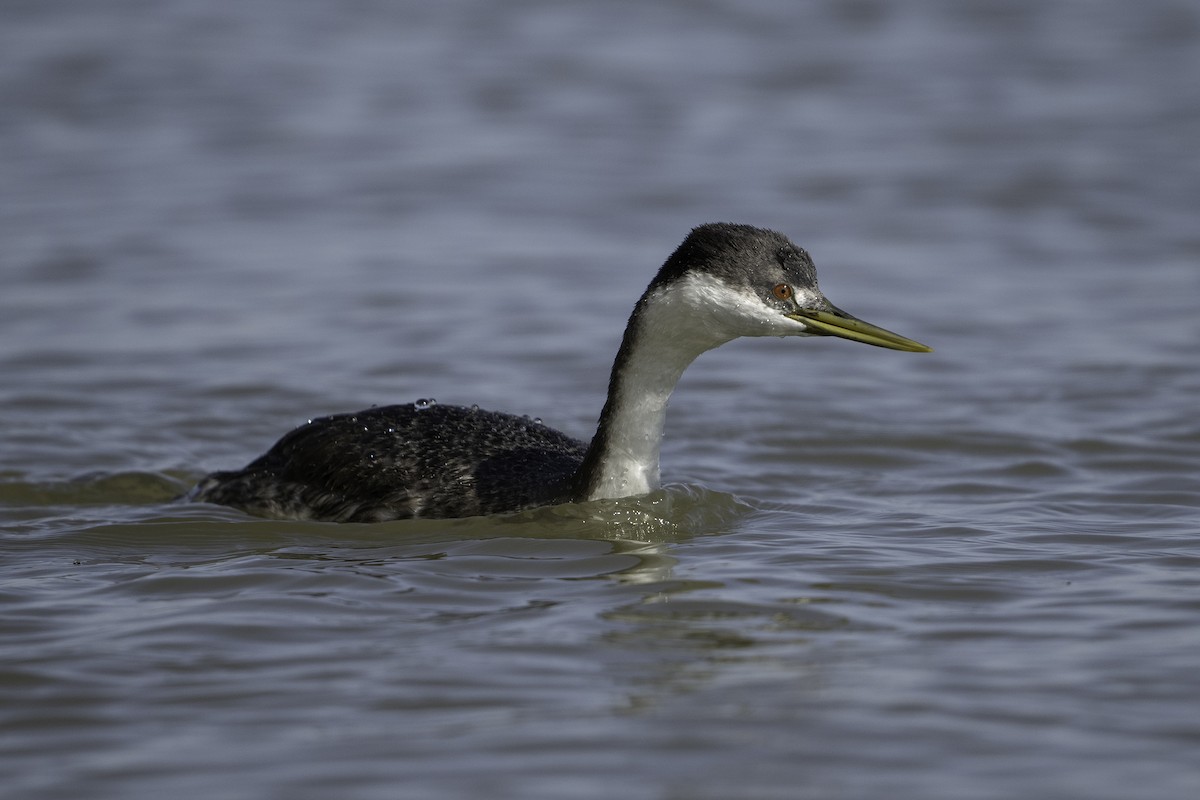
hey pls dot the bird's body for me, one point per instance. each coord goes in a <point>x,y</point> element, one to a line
<point>422,459</point>
<point>431,460</point>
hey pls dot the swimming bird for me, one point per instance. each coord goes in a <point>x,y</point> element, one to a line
<point>430,460</point>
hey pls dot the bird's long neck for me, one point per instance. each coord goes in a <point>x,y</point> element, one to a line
<point>668,329</point>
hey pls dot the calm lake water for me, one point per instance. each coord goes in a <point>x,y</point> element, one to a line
<point>971,574</point>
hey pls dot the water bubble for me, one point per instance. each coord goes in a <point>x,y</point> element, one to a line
<point>424,403</point>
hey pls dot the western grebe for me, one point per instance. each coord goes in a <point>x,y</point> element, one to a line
<point>429,460</point>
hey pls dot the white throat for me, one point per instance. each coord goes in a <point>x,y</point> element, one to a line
<point>672,325</point>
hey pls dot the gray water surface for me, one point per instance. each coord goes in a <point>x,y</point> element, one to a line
<point>967,574</point>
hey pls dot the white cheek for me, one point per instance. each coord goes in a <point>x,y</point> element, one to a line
<point>709,313</point>
<point>728,314</point>
<point>763,320</point>
<point>756,318</point>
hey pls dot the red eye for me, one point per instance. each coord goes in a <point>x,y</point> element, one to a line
<point>782,291</point>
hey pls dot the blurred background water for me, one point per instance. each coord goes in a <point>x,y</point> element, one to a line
<point>971,574</point>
